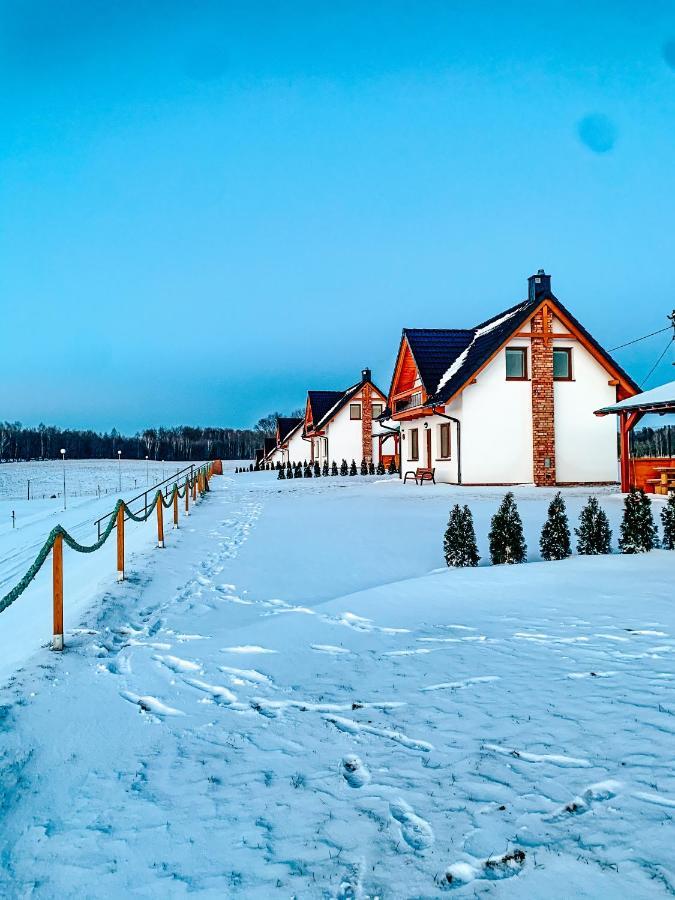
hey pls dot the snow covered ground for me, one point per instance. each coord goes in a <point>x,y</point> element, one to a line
<point>295,699</point>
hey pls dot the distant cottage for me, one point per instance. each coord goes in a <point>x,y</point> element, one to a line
<point>342,424</point>
<point>511,400</point>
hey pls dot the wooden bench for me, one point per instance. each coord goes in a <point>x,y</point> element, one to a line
<point>421,475</point>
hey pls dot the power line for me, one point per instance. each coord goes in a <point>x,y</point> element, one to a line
<point>655,366</point>
<point>644,338</point>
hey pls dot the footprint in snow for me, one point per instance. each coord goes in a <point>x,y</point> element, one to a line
<point>219,693</point>
<point>354,772</point>
<point>599,792</point>
<point>176,664</point>
<point>151,704</point>
<point>415,831</point>
<point>493,868</point>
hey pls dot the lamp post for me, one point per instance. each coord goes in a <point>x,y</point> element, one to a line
<point>147,471</point>
<point>119,467</point>
<point>63,457</point>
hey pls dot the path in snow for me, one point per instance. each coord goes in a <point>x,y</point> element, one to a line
<point>202,736</point>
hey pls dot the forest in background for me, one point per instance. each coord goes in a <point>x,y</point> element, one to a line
<point>183,442</point>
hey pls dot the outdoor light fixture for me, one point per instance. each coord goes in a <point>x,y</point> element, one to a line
<point>63,457</point>
<point>119,467</point>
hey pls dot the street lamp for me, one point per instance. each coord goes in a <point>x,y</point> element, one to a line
<point>63,457</point>
<point>147,471</point>
<point>119,460</point>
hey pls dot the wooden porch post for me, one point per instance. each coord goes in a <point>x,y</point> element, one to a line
<point>57,579</point>
<point>160,520</point>
<point>175,507</point>
<point>627,421</point>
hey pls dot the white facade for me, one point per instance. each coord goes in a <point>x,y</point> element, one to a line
<point>342,435</point>
<point>495,419</point>
<point>298,449</point>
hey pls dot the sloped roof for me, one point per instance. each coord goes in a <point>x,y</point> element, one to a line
<point>486,338</point>
<point>433,349</point>
<point>269,444</point>
<point>285,426</point>
<point>662,397</point>
<point>322,402</point>
<point>463,362</point>
<point>326,404</point>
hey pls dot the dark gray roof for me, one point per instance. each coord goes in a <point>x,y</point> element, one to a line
<point>285,426</point>
<point>434,349</point>
<point>322,402</point>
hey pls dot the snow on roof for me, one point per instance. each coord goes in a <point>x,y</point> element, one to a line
<point>664,395</point>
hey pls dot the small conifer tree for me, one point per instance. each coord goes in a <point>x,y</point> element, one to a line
<point>638,530</point>
<point>392,466</point>
<point>459,543</point>
<point>298,471</point>
<point>364,466</point>
<point>334,468</point>
<point>668,522</point>
<point>507,543</point>
<point>308,471</point>
<point>324,470</point>
<point>317,469</point>
<point>371,468</point>
<point>352,468</point>
<point>344,468</point>
<point>380,467</point>
<point>281,474</point>
<point>594,536</point>
<point>554,542</point>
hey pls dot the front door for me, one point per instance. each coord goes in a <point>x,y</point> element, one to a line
<point>429,466</point>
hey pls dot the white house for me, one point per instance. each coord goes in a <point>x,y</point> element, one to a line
<point>511,400</point>
<point>290,445</point>
<point>341,424</point>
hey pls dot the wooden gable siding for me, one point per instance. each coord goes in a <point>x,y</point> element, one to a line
<point>406,375</point>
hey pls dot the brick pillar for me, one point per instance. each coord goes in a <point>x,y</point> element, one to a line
<point>543,422</point>
<point>367,422</point>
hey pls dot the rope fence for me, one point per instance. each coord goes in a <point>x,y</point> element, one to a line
<point>195,486</point>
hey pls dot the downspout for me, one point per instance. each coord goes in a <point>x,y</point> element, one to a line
<point>459,441</point>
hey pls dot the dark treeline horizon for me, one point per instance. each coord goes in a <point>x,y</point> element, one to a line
<point>182,442</point>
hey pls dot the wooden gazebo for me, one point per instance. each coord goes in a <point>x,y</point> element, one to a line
<point>659,401</point>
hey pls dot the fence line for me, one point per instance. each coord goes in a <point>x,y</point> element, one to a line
<point>196,483</point>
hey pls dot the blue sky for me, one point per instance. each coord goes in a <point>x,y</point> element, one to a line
<point>207,208</point>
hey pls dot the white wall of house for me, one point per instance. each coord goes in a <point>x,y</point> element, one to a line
<point>446,469</point>
<point>276,456</point>
<point>298,449</point>
<point>585,445</point>
<point>343,435</point>
<point>497,425</point>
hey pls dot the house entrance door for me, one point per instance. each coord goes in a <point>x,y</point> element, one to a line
<point>429,466</point>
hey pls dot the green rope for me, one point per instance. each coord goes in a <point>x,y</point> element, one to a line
<point>68,539</point>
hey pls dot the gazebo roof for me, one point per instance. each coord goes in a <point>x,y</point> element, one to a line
<point>659,400</point>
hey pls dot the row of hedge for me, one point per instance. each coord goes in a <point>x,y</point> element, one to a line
<point>314,470</point>
<point>638,533</point>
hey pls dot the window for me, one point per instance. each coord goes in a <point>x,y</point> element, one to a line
<point>445,440</point>
<point>377,410</point>
<point>416,398</point>
<point>354,410</point>
<point>516,364</point>
<point>414,447</point>
<point>562,363</point>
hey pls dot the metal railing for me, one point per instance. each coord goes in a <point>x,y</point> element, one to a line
<point>163,485</point>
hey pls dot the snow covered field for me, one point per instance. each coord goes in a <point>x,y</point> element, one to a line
<point>296,699</point>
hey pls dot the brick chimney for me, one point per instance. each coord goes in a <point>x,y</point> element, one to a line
<point>366,415</point>
<point>543,412</point>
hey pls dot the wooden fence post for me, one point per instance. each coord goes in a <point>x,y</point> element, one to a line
<point>187,496</point>
<point>57,578</point>
<point>175,506</point>
<point>160,520</point>
<point>120,543</point>
<point>194,489</point>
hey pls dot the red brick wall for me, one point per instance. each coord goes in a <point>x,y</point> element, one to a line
<point>367,422</point>
<point>543,423</point>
